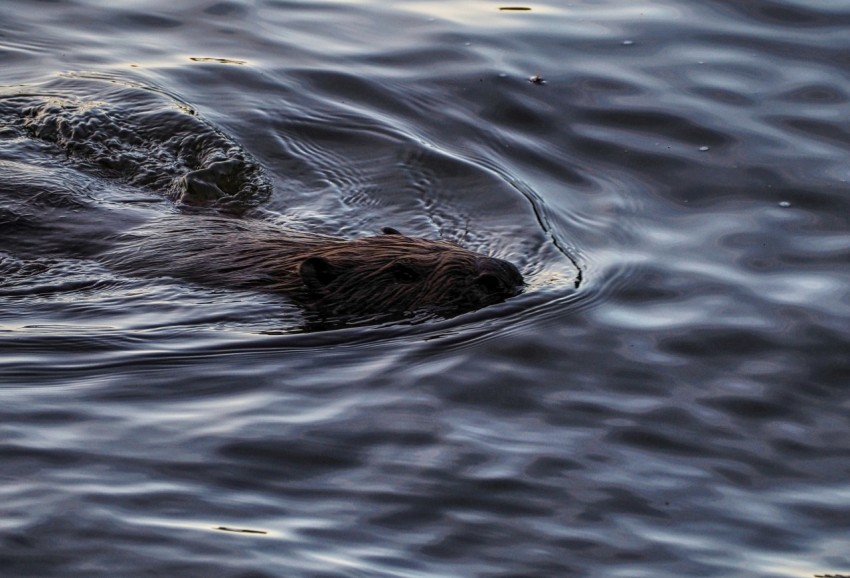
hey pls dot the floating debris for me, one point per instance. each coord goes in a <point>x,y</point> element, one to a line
<point>784,204</point>
<point>240,530</point>
<point>536,79</point>
<point>514,8</point>
<point>217,60</point>
<point>703,149</point>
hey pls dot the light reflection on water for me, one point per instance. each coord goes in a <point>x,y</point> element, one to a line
<point>681,413</point>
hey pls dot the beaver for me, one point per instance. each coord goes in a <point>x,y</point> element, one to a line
<point>151,143</point>
<point>388,275</point>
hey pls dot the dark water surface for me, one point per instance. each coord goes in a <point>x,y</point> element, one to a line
<point>683,412</point>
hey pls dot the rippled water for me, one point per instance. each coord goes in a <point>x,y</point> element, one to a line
<point>667,398</point>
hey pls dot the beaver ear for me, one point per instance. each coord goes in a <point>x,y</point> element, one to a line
<point>390,231</point>
<point>316,272</point>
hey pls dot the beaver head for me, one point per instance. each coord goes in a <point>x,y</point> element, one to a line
<point>394,274</point>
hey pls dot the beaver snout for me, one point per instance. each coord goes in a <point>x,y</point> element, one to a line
<point>497,278</point>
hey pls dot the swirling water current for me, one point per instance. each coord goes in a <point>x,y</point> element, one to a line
<point>668,398</point>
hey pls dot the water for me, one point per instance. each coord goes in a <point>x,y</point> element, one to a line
<point>667,398</point>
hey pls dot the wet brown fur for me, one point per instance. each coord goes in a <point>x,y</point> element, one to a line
<point>381,275</point>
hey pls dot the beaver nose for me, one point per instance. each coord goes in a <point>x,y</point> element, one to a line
<point>498,277</point>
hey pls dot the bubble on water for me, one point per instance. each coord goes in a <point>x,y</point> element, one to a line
<point>784,204</point>
<point>704,148</point>
<point>628,42</point>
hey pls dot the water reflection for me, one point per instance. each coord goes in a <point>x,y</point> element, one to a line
<point>680,413</point>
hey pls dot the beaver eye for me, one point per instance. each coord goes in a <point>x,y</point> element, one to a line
<point>404,274</point>
<point>490,283</point>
